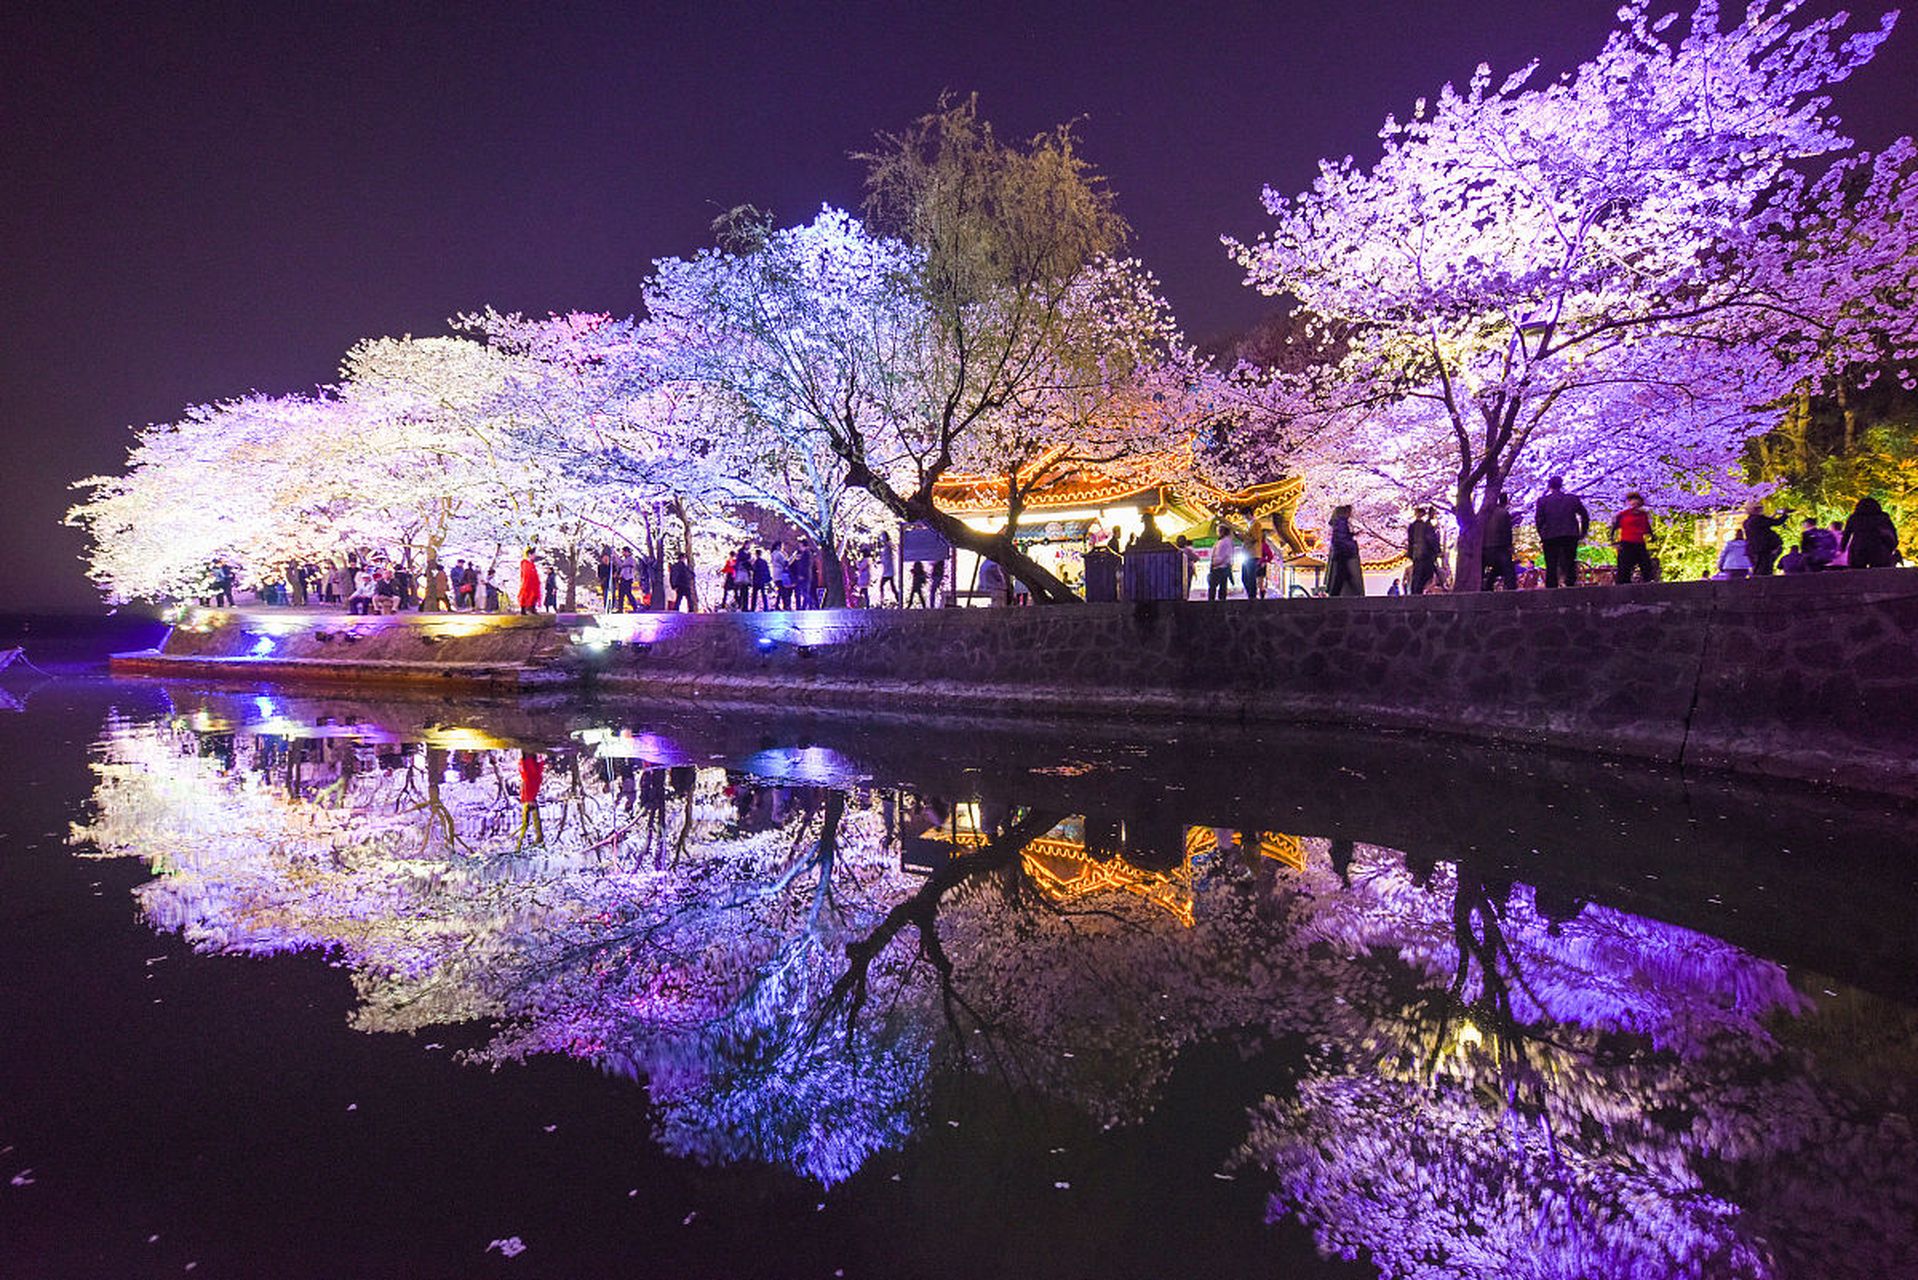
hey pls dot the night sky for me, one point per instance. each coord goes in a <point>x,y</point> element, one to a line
<point>199,200</point>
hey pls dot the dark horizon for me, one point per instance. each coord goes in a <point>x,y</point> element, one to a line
<point>209,202</point>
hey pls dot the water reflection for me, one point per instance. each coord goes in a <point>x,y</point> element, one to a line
<point>1480,1076</point>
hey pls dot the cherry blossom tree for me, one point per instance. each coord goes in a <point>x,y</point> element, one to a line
<point>1604,276</point>
<point>983,324</point>
<point>615,445</point>
<point>766,342</point>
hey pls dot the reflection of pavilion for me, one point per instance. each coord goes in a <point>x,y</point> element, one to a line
<point>1069,867</point>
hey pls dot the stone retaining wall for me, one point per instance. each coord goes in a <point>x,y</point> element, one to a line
<point>1812,677</point>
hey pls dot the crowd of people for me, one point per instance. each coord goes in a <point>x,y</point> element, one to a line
<point>1866,540</point>
<point>777,574</point>
<point>377,584</point>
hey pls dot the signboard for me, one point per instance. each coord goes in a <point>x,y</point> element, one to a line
<point>918,542</point>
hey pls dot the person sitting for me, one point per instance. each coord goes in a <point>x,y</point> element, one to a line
<point>1817,546</point>
<point>386,593</point>
<point>361,601</point>
<point>1871,539</point>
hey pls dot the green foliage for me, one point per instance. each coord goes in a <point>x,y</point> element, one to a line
<point>1830,450</point>
<point>992,218</point>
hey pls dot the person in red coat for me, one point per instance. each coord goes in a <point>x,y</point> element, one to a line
<point>528,584</point>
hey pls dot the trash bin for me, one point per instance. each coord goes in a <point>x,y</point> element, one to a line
<point>1102,576</point>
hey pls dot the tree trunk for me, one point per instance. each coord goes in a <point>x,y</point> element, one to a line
<point>1468,573</point>
<point>834,572</point>
<point>998,545</point>
<point>1848,411</point>
<point>686,536</point>
<point>1046,589</point>
<point>572,575</point>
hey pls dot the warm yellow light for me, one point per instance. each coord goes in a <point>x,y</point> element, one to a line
<point>460,738</point>
<point>455,628</point>
<point>1171,523</point>
<point>1047,517</point>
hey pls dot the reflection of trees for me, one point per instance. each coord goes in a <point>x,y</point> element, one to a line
<point>1563,1092</point>
<point>1494,1082</point>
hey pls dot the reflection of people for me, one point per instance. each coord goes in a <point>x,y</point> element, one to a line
<point>532,772</point>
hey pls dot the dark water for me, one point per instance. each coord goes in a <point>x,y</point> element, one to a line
<point>296,986</point>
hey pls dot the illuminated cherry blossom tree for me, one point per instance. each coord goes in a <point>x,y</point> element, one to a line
<point>1606,276</point>
<point>610,442</point>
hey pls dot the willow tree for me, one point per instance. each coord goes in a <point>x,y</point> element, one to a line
<point>1039,342</point>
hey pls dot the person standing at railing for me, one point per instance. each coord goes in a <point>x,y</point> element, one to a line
<point>1422,549</point>
<point>1225,552</point>
<point>1631,529</point>
<point>1562,522</point>
<point>1497,546</point>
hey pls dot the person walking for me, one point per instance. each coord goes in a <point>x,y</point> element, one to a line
<point>938,581</point>
<point>1631,530</point>
<point>1870,539</point>
<point>625,572</point>
<point>529,585</point>
<point>437,588</point>
<point>762,583</point>
<point>1761,537</point>
<point>782,576</point>
<point>1496,548</point>
<point>1422,548</point>
<point>918,585</point>
<point>552,587</point>
<point>887,580</point>
<point>1344,573</point>
<point>742,579</point>
<point>1562,522</point>
<point>800,567</point>
<point>603,567</point>
<point>862,580</point>
<point>682,583</point>
<point>1225,550</point>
